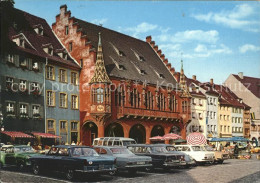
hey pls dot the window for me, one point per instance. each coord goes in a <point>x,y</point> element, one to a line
<point>193,101</point>
<point>50,74</point>
<point>9,82</point>
<point>193,115</point>
<point>51,124</point>
<point>63,125</point>
<point>21,42</point>
<point>70,46</point>
<point>214,101</point>
<point>200,102</point>
<point>74,78</point>
<point>228,129</point>
<point>35,109</point>
<point>100,95</point>
<point>23,109</point>
<point>220,116</point>
<point>35,66</point>
<point>50,51</point>
<point>200,116</point>
<point>10,58</point>
<point>81,62</point>
<point>214,115</point>
<point>35,86</point>
<point>66,30</point>
<point>63,75</point>
<point>22,85</point>
<point>23,62</point>
<point>221,128</point>
<point>50,98</point>
<point>63,100</point>
<point>74,101</point>
<point>74,126</point>
<point>225,117</point>
<point>10,107</point>
<point>228,117</point>
<point>225,127</point>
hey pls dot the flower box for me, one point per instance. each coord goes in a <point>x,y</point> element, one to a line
<point>36,92</point>
<point>24,116</point>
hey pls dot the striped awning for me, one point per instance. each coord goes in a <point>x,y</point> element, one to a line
<point>17,134</point>
<point>45,135</point>
<point>196,138</point>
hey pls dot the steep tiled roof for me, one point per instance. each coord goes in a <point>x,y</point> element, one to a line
<point>253,84</point>
<point>24,25</point>
<point>138,61</point>
<point>189,83</point>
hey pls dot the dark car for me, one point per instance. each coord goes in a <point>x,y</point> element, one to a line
<point>161,158</point>
<point>71,159</point>
<point>125,159</point>
<point>189,160</point>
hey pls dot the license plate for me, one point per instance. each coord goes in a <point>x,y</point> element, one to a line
<point>141,163</point>
<point>101,167</point>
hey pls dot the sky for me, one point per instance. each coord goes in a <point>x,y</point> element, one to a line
<point>213,38</point>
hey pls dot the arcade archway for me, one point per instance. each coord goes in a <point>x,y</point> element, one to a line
<point>90,131</point>
<point>157,130</point>
<point>114,130</point>
<point>138,133</point>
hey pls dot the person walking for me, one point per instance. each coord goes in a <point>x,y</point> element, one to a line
<point>248,147</point>
<point>236,150</point>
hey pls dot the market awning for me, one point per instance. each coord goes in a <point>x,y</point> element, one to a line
<point>156,138</point>
<point>196,138</point>
<point>171,136</point>
<point>45,135</point>
<point>17,134</point>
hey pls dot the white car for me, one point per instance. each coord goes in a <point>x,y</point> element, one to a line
<point>197,152</point>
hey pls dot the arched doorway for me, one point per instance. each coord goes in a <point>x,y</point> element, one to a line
<point>137,132</point>
<point>157,130</point>
<point>114,130</point>
<point>175,130</point>
<point>90,131</point>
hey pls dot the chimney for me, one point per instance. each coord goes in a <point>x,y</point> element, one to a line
<point>152,43</point>
<point>159,52</point>
<point>211,81</point>
<point>165,61</point>
<point>240,74</point>
<point>169,65</point>
<point>63,9</point>
<point>172,70</point>
<point>162,56</point>
<point>155,48</point>
<point>148,39</point>
<point>194,77</point>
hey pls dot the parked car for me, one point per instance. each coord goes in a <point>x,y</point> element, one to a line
<point>197,152</point>
<point>219,155</point>
<point>161,158</point>
<point>188,159</point>
<point>71,159</point>
<point>17,155</point>
<point>125,159</point>
<point>113,141</point>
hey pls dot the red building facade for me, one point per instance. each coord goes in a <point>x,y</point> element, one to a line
<point>127,87</point>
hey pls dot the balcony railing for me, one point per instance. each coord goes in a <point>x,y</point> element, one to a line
<point>145,113</point>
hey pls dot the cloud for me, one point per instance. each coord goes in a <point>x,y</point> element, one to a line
<point>200,48</point>
<point>210,36</point>
<point>99,21</point>
<point>240,17</point>
<point>141,28</point>
<point>248,47</point>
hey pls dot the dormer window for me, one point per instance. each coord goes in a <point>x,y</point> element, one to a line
<point>48,48</point>
<point>161,76</point>
<point>138,56</point>
<point>50,51</point>
<point>141,58</point>
<point>21,42</point>
<point>119,66</point>
<point>142,72</point>
<point>119,52</point>
<point>38,29</point>
<point>62,53</point>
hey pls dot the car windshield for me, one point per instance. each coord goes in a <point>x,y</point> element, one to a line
<point>197,148</point>
<point>208,148</point>
<point>171,148</point>
<point>120,151</point>
<point>126,143</point>
<point>23,149</point>
<point>159,149</point>
<point>83,151</point>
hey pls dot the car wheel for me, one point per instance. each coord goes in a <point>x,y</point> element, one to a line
<point>69,174</point>
<point>112,173</point>
<point>36,169</point>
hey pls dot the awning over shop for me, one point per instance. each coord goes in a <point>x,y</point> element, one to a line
<point>231,139</point>
<point>45,135</point>
<point>17,134</point>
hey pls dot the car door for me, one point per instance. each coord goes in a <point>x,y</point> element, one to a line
<point>50,163</point>
<point>9,156</point>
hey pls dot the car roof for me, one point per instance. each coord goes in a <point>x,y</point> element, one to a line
<point>114,138</point>
<point>110,147</point>
<point>7,146</point>
<point>70,146</point>
<point>146,145</point>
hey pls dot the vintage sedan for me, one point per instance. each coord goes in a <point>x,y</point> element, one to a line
<point>17,155</point>
<point>125,159</point>
<point>197,152</point>
<point>161,158</point>
<point>219,155</point>
<point>189,160</point>
<point>71,159</point>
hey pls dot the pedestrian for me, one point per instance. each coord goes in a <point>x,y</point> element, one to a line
<point>73,143</point>
<point>248,147</point>
<point>236,150</point>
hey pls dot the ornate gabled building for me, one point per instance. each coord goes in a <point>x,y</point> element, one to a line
<point>127,87</point>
